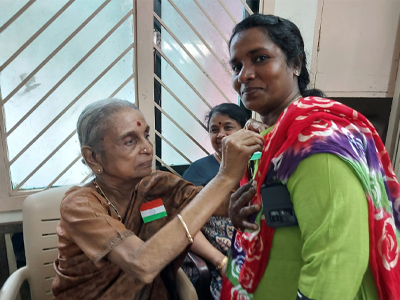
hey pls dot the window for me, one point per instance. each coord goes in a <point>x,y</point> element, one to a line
<point>192,73</point>
<point>56,57</point>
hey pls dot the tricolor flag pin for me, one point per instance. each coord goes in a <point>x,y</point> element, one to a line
<point>152,210</point>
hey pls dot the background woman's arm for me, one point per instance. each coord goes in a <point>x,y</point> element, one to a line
<point>202,247</point>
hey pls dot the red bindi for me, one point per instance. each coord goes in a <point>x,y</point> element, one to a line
<point>219,123</point>
<point>139,124</point>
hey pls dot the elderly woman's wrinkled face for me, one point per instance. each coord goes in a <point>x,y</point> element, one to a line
<point>128,153</point>
<point>220,127</point>
<point>261,76</point>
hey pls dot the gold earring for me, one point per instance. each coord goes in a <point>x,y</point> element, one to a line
<point>98,171</point>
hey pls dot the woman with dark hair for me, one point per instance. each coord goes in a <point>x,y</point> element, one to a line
<point>124,234</point>
<point>221,121</point>
<point>323,221</point>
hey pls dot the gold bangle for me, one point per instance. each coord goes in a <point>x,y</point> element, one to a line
<point>189,236</point>
<point>222,264</point>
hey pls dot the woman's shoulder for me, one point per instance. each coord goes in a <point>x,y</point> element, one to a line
<point>207,159</point>
<point>78,191</point>
<point>202,171</point>
<point>78,196</point>
<point>161,183</point>
<point>156,177</point>
<point>158,180</point>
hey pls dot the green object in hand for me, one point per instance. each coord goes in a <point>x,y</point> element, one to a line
<point>256,156</point>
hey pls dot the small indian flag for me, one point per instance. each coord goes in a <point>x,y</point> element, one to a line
<point>153,210</point>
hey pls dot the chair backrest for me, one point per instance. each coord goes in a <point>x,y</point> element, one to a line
<point>41,215</point>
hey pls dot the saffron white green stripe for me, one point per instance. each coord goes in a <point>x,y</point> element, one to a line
<point>153,214</point>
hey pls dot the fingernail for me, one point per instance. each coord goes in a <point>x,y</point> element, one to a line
<point>254,183</point>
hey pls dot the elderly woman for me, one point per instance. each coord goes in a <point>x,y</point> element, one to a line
<point>124,235</point>
<point>327,229</point>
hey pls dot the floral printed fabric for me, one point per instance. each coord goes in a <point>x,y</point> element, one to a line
<point>316,125</point>
<point>218,231</point>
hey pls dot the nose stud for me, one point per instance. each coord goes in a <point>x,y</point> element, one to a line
<point>144,150</point>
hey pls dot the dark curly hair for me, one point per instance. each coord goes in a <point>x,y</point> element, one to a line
<point>286,35</point>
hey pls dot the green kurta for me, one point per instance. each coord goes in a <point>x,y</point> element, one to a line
<point>326,256</point>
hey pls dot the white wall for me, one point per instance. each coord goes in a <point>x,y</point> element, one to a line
<point>303,13</point>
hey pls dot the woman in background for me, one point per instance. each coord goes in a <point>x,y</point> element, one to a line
<point>222,120</point>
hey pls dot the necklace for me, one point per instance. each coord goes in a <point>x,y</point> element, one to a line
<point>100,191</point>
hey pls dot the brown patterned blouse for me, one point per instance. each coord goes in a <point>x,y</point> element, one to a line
<point>89,229</point>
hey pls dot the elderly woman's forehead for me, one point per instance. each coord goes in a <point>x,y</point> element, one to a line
<point>131,118</point>
<point>127,114</point>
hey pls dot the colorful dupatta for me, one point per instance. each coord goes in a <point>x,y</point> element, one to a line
<point>316,125</point>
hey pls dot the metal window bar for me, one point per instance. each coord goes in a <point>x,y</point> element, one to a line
<point>45,160</point>
<point>177,52</point>
<point>211,20</point>
<point>86,178</point>
<point>247,7</point>
<point>167,166</point>
<point>66,140</point>
<point>16,16</point>
<point>65,77</point>
<point>72,35</point>
<point>172,146</point>
<point>200,37</point>
<point>182,76</point>
<point>180,127</point>
<point>228,12</point>
<point>195,46</point>
<point>122,85</point>
<point>72,103</point>
<point>191,56</point>
<point>179,101</point>
<point>62,172</point>
<point>37,33</point>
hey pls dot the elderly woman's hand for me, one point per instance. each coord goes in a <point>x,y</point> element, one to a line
<point>256,126</point>
<point>237,149</point>
<point>239,208</point>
